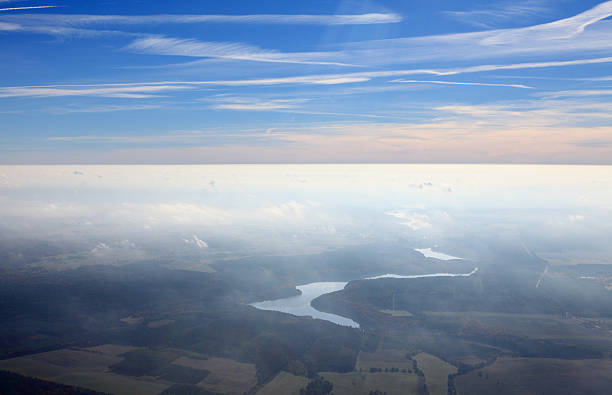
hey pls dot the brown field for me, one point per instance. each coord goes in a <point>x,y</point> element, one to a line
<point>192,265</point>
<point>226,375</point>
<point>539,376</point>
<point>543,326</point>
<point>436,372</point>
<point>356,383</point>
<point>159,323</point>
<point>284,383</point>
<point>110,349</point>
<point>82,368</point>
<point>89,368</point>
<point>132,320</point>
<point>381,359</point>
<point>113,383</point>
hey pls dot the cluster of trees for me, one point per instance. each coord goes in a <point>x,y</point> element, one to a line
<point>16,384</point>
<point>390,370</point>
<point>416,369</point>
<point>317,386</point>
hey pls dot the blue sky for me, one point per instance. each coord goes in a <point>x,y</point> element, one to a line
<point>524,81</point>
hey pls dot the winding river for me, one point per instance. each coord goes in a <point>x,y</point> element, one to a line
<point>300,305</point>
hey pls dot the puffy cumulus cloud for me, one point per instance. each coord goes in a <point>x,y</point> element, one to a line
<point>162,214</point>
<point>396,214</point>
<point>290,209</point>
<point>100,248</point>
<point>436,220</point>
<point>122,245</point>
<point>431,187</point>
<point>196,241</point>
<point>111,251</point>
<point>417,221</point>
<point>127,244</point>
<point>175,213</point>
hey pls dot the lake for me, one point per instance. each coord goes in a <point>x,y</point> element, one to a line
<point>300,305</point>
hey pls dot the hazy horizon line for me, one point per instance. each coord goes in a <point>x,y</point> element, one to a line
<point>314,164</point>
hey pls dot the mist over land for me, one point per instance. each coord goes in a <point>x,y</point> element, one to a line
<point>149,273</point>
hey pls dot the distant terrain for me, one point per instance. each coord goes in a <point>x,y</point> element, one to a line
<point>145,327</point>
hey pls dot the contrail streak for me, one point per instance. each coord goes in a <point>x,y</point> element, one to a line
<point>27,8</point>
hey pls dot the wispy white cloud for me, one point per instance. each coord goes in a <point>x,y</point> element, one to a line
<point>98,109</point>
<point>502,12</point>
<point>368,75</point>
<point>74,25</point>
<point>146,89</point>
<point>138,91</point>
<point>587,32</point>
<point>274,19</point>
<point>561,29</point>
<point>464,83</point>
<point>27,8</point>
<point>226,50</point>
<point>253,104</point>
<point>179,137</point>
<point>606,78</point>
<point>293,106</point>
<point>9,26</point>
<point>578,93</point>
